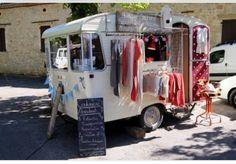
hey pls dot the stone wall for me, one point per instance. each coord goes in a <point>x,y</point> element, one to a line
<point>22,25</point>
<point>211,13</point>
<point>22,31</point>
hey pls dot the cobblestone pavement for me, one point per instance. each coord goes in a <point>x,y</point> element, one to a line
<point>25,113</point>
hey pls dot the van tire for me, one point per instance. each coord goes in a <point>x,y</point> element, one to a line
<point>151,118</point>
<point>232,98</point>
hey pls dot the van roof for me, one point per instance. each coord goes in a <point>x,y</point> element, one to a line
<point>76,25</point>
<point>223,46</point>
<point>70,27</point>
<point>226,43</point>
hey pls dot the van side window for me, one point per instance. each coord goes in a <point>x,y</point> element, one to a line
<point>58,52</point>
<point>86,52</point>
<point>75,51</point>
<point>97,52</point>
<point>217,56</point>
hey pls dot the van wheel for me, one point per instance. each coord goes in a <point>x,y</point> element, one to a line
<point>151,118</point>
<point>232,98</point>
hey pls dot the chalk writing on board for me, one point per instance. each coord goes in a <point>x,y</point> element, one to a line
<point>91,131</point>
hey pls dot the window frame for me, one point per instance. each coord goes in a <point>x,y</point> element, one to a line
<point>3,47</point>
<point>50,56</point>
<point>42,40</point>
<point>228,30</point>
<point>212,53</point>
<point>82,52</point>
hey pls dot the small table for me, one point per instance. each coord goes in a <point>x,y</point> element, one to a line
<point>208,110</point>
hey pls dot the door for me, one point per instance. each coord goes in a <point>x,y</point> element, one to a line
<point>230,60</point>
<point>228,30</point>
<point>185,58</point>
<point>218,65</point>
<point>200,63</point>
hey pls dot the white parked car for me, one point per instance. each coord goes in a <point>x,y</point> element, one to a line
<point>228,87</point>
<point>61,58</point>
<point>222,61</point>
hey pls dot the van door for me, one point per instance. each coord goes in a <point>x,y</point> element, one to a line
<point>218,65</point>
<point>200,61</point>
<point>230,61</point>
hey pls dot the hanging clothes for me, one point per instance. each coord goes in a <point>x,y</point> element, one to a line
<point>151,84</point>
<point>171,87</point>
<point>164,88</point>
<point>201,40</point>
<point>132,67</point>
<point>137,76</point>
<point>124,64</point>
<point>179,99</point>
<point>115,66</point>
<point>140,68</point>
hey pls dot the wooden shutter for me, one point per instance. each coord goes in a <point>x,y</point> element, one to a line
<point>42,29</point>
<point>228,30</point>
<point>2,40</point>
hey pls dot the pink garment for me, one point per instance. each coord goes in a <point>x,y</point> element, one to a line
<point>165,86</point>
<point>149,84</point>
<point>137,53</point>
<point>171,87</point>
<point>179,99</point>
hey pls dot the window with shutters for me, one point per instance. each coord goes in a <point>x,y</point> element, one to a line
<point>2,40</point>
<point>42,29</point>
<point>228,30</point>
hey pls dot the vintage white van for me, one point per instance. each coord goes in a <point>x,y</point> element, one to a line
<point>88,43</point>
<point>223,61</point>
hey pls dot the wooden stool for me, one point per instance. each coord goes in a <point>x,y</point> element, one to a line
<point>208,110</point>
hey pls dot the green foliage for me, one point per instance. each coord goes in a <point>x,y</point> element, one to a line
<point>80,10</point>
<point>132,6</point>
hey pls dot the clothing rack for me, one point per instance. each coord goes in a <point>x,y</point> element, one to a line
<point>155,70</point>
<point>123,34</point>
<point>176,69</point>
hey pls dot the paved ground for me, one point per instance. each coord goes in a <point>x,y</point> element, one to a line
<point>24,116</point>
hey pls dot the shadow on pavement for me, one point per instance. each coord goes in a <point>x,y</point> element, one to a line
<point>20,81</point>
<point>23,126</point>
<point>221,107</point>
<point>116,134</point>
<point>210,150</point>
<point>170,122</point>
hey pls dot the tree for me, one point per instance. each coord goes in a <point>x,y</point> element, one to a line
<point>80,10</point>
<point>132,6</point>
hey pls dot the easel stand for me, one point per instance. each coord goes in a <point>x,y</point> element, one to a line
<point>208,110</point>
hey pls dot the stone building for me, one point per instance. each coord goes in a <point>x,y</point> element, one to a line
<point>21,26</point>
<point>221,17</point>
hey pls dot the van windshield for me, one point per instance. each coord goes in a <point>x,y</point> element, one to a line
<point>86,52</point>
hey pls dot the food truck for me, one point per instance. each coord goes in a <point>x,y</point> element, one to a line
<point>142,64</point>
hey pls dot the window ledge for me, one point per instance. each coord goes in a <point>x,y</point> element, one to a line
<point>3,52</point>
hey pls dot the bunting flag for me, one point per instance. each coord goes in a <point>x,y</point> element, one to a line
<point>53,93</point>
<point>63,99</point>
<point>69,95</point>
<point>50,88</point>
<point>76,88</point>
<point>81,80</point>
<point>46,82</point>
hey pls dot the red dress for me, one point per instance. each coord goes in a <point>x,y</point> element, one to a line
<point>137,53</point>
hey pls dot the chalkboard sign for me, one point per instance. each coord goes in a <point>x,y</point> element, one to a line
<point>137,22</point>
<point>91,130</point>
